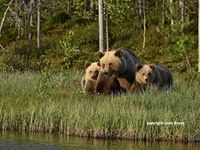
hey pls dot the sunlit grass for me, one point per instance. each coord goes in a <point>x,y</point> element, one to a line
<point>30,102</point>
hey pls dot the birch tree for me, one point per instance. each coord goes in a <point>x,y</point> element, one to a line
<point>30,27</point>
<point>107,36</point>
<point>101,27</point>
<point>163,11</point>
<point>199,34</point>
<point>138,4</point>
<point>4,16</point>
<point>171,11</point>
<point>38,24</point>
<point>144,25</point>
<point>182,8</point>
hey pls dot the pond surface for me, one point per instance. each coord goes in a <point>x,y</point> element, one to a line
<point>22,141</point>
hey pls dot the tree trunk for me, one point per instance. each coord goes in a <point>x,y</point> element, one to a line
<point>4,16</point>
<point>68,6</point>
<point>199,34</point>
<point>25,9</point>
<point>38,25</point>
<point>163,12</point>
<point>137,17</point>
<point>171,5</point>
<point>182,7</point>
<point>101,28</point>
<point>140,7</point>
<point>144,25</point>
<point>30,20</point>
<point>30,28</point>
<point>87,5</point>
<point>107,36</point>
<point>188,63</point>
<point>92,7</point>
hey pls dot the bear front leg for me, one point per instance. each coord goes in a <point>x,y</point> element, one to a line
<point>137,87</point>
<point>124,83</point>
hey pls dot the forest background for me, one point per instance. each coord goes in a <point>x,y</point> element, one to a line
<point>38,34</point>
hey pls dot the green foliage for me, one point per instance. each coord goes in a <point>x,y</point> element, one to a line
<point>58,19</point>
<point>85,37</point>
<point>182,45</point>
<point>120,11</point>
<point>3,66</point>
<point>69,33</point>
<point>69,50</point>
<point>182,50</point>
<point>46,83</point>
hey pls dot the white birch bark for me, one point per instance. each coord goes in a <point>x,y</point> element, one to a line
<point>144,25</point>
<point>38,24</point>
<point>4,16</point>
<point>101,28</point>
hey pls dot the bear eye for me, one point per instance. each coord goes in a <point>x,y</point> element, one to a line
<point>103,66</point>
<point>96,71</point>
<point>90,71</point>
<point>143,74</point>
<point>110,64</point>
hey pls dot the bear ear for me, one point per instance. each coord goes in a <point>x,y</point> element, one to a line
<point>138,67</point>
<point>101,54</point>
<point>152,66</point>
<point>118,53</point>
<point>98,63</point>
<point>87,63</point>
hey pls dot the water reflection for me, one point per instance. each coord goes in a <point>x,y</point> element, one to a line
<point>22,141</point>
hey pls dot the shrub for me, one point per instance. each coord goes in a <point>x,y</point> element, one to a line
<point>69,50</point>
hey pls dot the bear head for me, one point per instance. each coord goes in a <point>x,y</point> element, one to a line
<point>92,70</point>
<point>144,73</point>
<point>110,62</point>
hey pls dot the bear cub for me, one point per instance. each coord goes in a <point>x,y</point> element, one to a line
<point>151,74</point>
<point>89,79</point>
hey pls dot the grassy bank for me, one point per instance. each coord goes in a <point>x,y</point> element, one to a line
<point>54,103</point>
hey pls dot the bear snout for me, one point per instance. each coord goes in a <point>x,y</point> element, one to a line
<point>145,81</point>
<point>106,73</point>
<point>94,77</point>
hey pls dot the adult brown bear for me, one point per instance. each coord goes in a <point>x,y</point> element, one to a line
<point>108,85</point>
<point>120,63</point>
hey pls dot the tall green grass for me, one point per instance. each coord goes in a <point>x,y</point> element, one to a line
<point>54,103</point>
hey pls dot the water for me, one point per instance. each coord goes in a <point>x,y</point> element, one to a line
<point>22,141</point>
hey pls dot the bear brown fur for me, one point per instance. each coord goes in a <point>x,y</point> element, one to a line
<point>155,74</point>
<point>106,85</point>
<point>137,87</point>
<point>88,81</point>
<point>119,63</point>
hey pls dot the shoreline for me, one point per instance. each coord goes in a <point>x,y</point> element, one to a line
<point>133,137</point>
<point>57,106</point>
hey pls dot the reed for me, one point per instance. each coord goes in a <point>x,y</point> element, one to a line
<point>54,103</point>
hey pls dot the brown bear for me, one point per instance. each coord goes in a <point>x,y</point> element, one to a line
<point>89,79</point>
<point>155,74</point>
<point>108,85</point>
<point>119,63</point>
<point>137,87</point>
